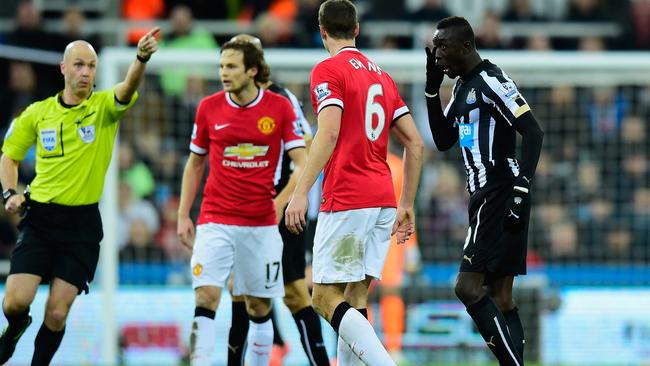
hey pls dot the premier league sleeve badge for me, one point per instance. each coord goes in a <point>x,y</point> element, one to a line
<point>87,133</point>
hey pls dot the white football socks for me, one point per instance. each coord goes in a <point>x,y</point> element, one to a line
<point>357,332</point>
<point>260,343</point>
<point>202,341</point>
<point>345,356</point>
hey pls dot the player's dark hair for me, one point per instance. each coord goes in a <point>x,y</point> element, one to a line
<point>338,18</point>
<point>253,57</point>
<point>460,28</point>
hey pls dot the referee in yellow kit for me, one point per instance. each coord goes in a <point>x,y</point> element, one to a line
<point>59,237</point>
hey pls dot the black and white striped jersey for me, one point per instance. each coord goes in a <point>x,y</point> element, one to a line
<point>484,106</point>
<point>301,127</point>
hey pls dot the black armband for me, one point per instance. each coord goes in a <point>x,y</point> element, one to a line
<point>142,59</point>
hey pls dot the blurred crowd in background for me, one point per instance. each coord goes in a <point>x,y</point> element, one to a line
<point>591,190</point>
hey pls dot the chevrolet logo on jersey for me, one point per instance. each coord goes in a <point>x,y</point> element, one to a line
<point>245,151</point>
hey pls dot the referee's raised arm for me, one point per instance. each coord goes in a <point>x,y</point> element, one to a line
<point>73,133</point>
<point>147,45</point>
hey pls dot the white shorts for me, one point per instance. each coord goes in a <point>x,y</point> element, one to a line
<point>252,253</point>
<point>351,244</point>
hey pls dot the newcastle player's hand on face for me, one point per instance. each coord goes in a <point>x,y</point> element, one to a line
<point>435,75</point>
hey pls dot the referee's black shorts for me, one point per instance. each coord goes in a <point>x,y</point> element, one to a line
<point>293,254</point>
<point>488,248</point>
<point>59,241</point>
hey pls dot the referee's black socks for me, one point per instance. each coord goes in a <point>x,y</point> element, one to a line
<point>493,327</point>
<point>311,336</point>
<point>17,323</point>
<point>45,345</point>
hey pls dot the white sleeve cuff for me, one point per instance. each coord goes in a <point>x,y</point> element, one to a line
<point>198,150</point>
<point>294,144</point>
<point>400,112</point>
<point>330,101</point>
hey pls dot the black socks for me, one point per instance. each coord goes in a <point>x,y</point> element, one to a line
<point>493,327</point>
<point>45,345</point>
<point>311,336</point>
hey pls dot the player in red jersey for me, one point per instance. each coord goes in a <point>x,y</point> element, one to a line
<point>296,293</point>
<point>244,129</point>
<point>357,103</point>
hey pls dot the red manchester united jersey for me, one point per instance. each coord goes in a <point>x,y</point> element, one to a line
<point>245,144</point>
<point>357,174</point>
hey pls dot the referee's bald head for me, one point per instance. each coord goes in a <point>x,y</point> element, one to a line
<point>79,67</point>
<point>248,38</point>
<point>78,48</point>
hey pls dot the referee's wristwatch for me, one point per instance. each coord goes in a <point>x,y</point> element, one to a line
<point>6,194</point>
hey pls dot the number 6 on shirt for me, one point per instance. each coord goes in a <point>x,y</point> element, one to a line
<point>372,108</point>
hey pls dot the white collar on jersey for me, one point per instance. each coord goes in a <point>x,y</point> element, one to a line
<point>255,101</point>
<point>347,48</point>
